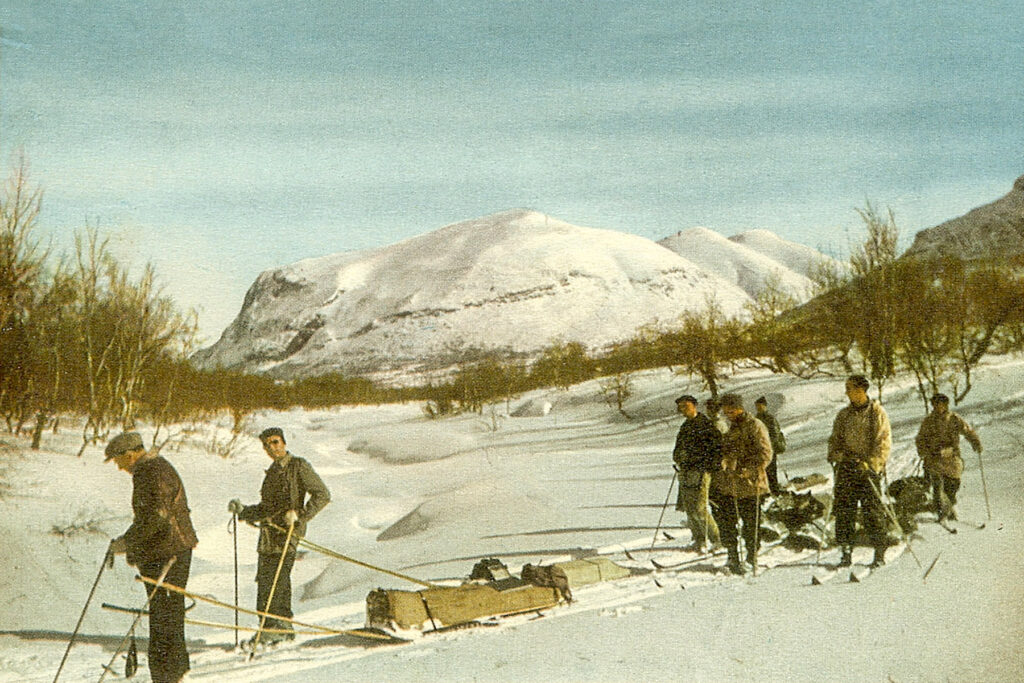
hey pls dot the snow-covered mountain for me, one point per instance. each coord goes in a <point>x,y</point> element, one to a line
<point>749,260</point>
<point>799,258</point>
<point>995,229</point>
<point>515,281</point>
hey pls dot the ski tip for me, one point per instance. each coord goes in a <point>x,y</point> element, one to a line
<point>853,578</point>
<point>815,581</point>
<point>629,556</point>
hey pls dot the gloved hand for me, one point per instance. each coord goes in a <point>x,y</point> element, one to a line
<point>291,517</point>
<point>235,507</point>
<point>676,467</point>
<point>118,546</point>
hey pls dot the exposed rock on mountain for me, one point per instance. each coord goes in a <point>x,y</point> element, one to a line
<point>995,229</point>
<point>514,281</point>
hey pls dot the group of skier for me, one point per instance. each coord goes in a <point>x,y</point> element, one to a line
<point>729,462</point>
<point>725,458</point>
<point>160,540</point>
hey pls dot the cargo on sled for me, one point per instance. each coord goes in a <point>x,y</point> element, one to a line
<point>490,591</point>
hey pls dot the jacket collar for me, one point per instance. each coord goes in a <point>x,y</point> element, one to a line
<point>283,461</point>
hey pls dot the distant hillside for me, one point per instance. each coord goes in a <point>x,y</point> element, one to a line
<point>995,229</point>
<point>750,259</point>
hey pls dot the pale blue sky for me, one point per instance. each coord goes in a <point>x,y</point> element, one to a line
<point>220,138</point>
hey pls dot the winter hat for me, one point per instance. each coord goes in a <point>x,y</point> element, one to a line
<point>940,398</point>
<point>687,399</point>
<point>121,444</point>
<point>731,400</point>
<point>762,400</point>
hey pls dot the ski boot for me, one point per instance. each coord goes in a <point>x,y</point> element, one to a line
<point>879,559</point>
<point>847,557</point>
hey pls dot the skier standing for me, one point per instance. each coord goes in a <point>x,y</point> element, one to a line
<point>938,445</point>
<point>282,503</point>
<point>858,450</point>
<point>741,482</point>
<point>161,530</point>
<point>778,440</point>
<point>697,454</point>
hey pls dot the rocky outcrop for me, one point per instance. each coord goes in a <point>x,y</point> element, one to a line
<point>992,230</point>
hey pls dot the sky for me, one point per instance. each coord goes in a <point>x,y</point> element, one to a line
<point>219,139</point>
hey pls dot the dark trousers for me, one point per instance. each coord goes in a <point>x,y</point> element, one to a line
<point>168,657</point>
<point>944,491</point>
<point>773,476</point>
<point>281,604</point>
<point>725,508</point>
<point>855,486</point>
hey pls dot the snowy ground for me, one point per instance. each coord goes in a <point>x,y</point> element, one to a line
<point>429,498</point>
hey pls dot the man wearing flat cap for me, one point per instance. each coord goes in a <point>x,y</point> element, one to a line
<point>283,505</point>
<point>161,533</point>
<point>938,446</point>
<point>697,454</point>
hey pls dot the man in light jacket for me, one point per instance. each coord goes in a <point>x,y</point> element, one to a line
<point>858,450</point>
<point>938,445</point>
<point>741,483</point>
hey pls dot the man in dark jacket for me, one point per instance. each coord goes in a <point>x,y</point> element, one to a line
<point>778,440</point>
<point>161,532</point>
<point>740,484</point>
<point>283,504</point>
<point>696,455</point>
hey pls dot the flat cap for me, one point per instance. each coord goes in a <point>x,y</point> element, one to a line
<point>122,443</point>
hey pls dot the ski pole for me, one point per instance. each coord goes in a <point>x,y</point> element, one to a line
<point>234,534</point>
<point>892,516</point>
<point>824,526</point>
<point>106,559</point>
<point>671,485</point>
<point>213,601</point>
<point>273,588</point>
<point>984,486</point>
<point>736,509</point>
<point>135,622</point>
<point>757,529</point>
<point>306,543</point>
